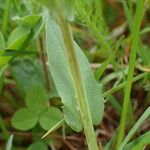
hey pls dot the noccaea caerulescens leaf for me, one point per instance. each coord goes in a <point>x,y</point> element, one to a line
<point>61,74</point>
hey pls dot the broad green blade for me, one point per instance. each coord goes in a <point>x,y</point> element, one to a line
<point>61,74</point>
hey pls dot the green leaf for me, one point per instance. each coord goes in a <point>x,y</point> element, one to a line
<point>4,60</point>
<point>9,143</point>
<point>145,115</point>
<point>55,127</point>
<point>18,37</point>
<point>15,41</point>
<point>37,98</point>
<point>98,73</point>
<point>1,83</point>
<point>61,75</point>
<point>2,46</point>
<point>29,21</point>
<point>25,73</point>
<point>142,140</point>
<point>2,77</point>
<point>2,41</point>
<point>24,119</point>
<point>67,6</point>
<point>114,103</point>
<point>21,38</point>
<point>128,13</point>
<point>144,53</point>
<point>50,118</point>
<point>145,30</point>
<point>37,146</point>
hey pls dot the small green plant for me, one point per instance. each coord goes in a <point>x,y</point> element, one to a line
<point>36,110</point>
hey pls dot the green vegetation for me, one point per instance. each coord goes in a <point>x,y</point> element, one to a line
<point>74,75</point>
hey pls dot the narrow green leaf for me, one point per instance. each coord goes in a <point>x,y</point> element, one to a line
<point>1,77</point>
<point>145,30</point>
<point>144,53</point>
<point>24,119</point>
<point>55,127</point>
<point>63,80</point>
<point>145,115</point>
<point>142,140</point>
<point>21,37</point>
<point>9,143</point>
<point>128,14</point>
<point>1,83</point>
<point>114,103</point>
<point>135,33</point>
<point>2,41</point>
<point>29,21</point>
<point>3,127</point>
<point>50,118</point>
<point>18,37</point>
<point>120,86</point>
<point>15,41</point>
<point>98,73</point>
<point>6,16</point>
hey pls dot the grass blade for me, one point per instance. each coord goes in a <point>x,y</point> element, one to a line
<point>120,86</point>
<point>58,125</point>
<point>128,14</point>
<point>142,140</point>
<point>9,143</point>
<point>135,42</point>
<point>145,115</point>
<point>6,17</point>
<point>98,73</point>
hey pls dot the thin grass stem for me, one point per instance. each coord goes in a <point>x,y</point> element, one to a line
<point>134,47</point>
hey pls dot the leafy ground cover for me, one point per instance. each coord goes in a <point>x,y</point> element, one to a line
<point>74,75</point>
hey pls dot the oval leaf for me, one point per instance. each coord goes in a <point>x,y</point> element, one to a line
<point>37,146</point>
<point>61,74</point>
<point>37,98</point>
<point>24,119</point>
<point>25,73</point>
<point>50,118</point>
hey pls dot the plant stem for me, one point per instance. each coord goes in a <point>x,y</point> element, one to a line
<point>6,17</point>
<point>128,13</point>
<point>43,59</point>
<point>135,40</point>
<point>78,83</point>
